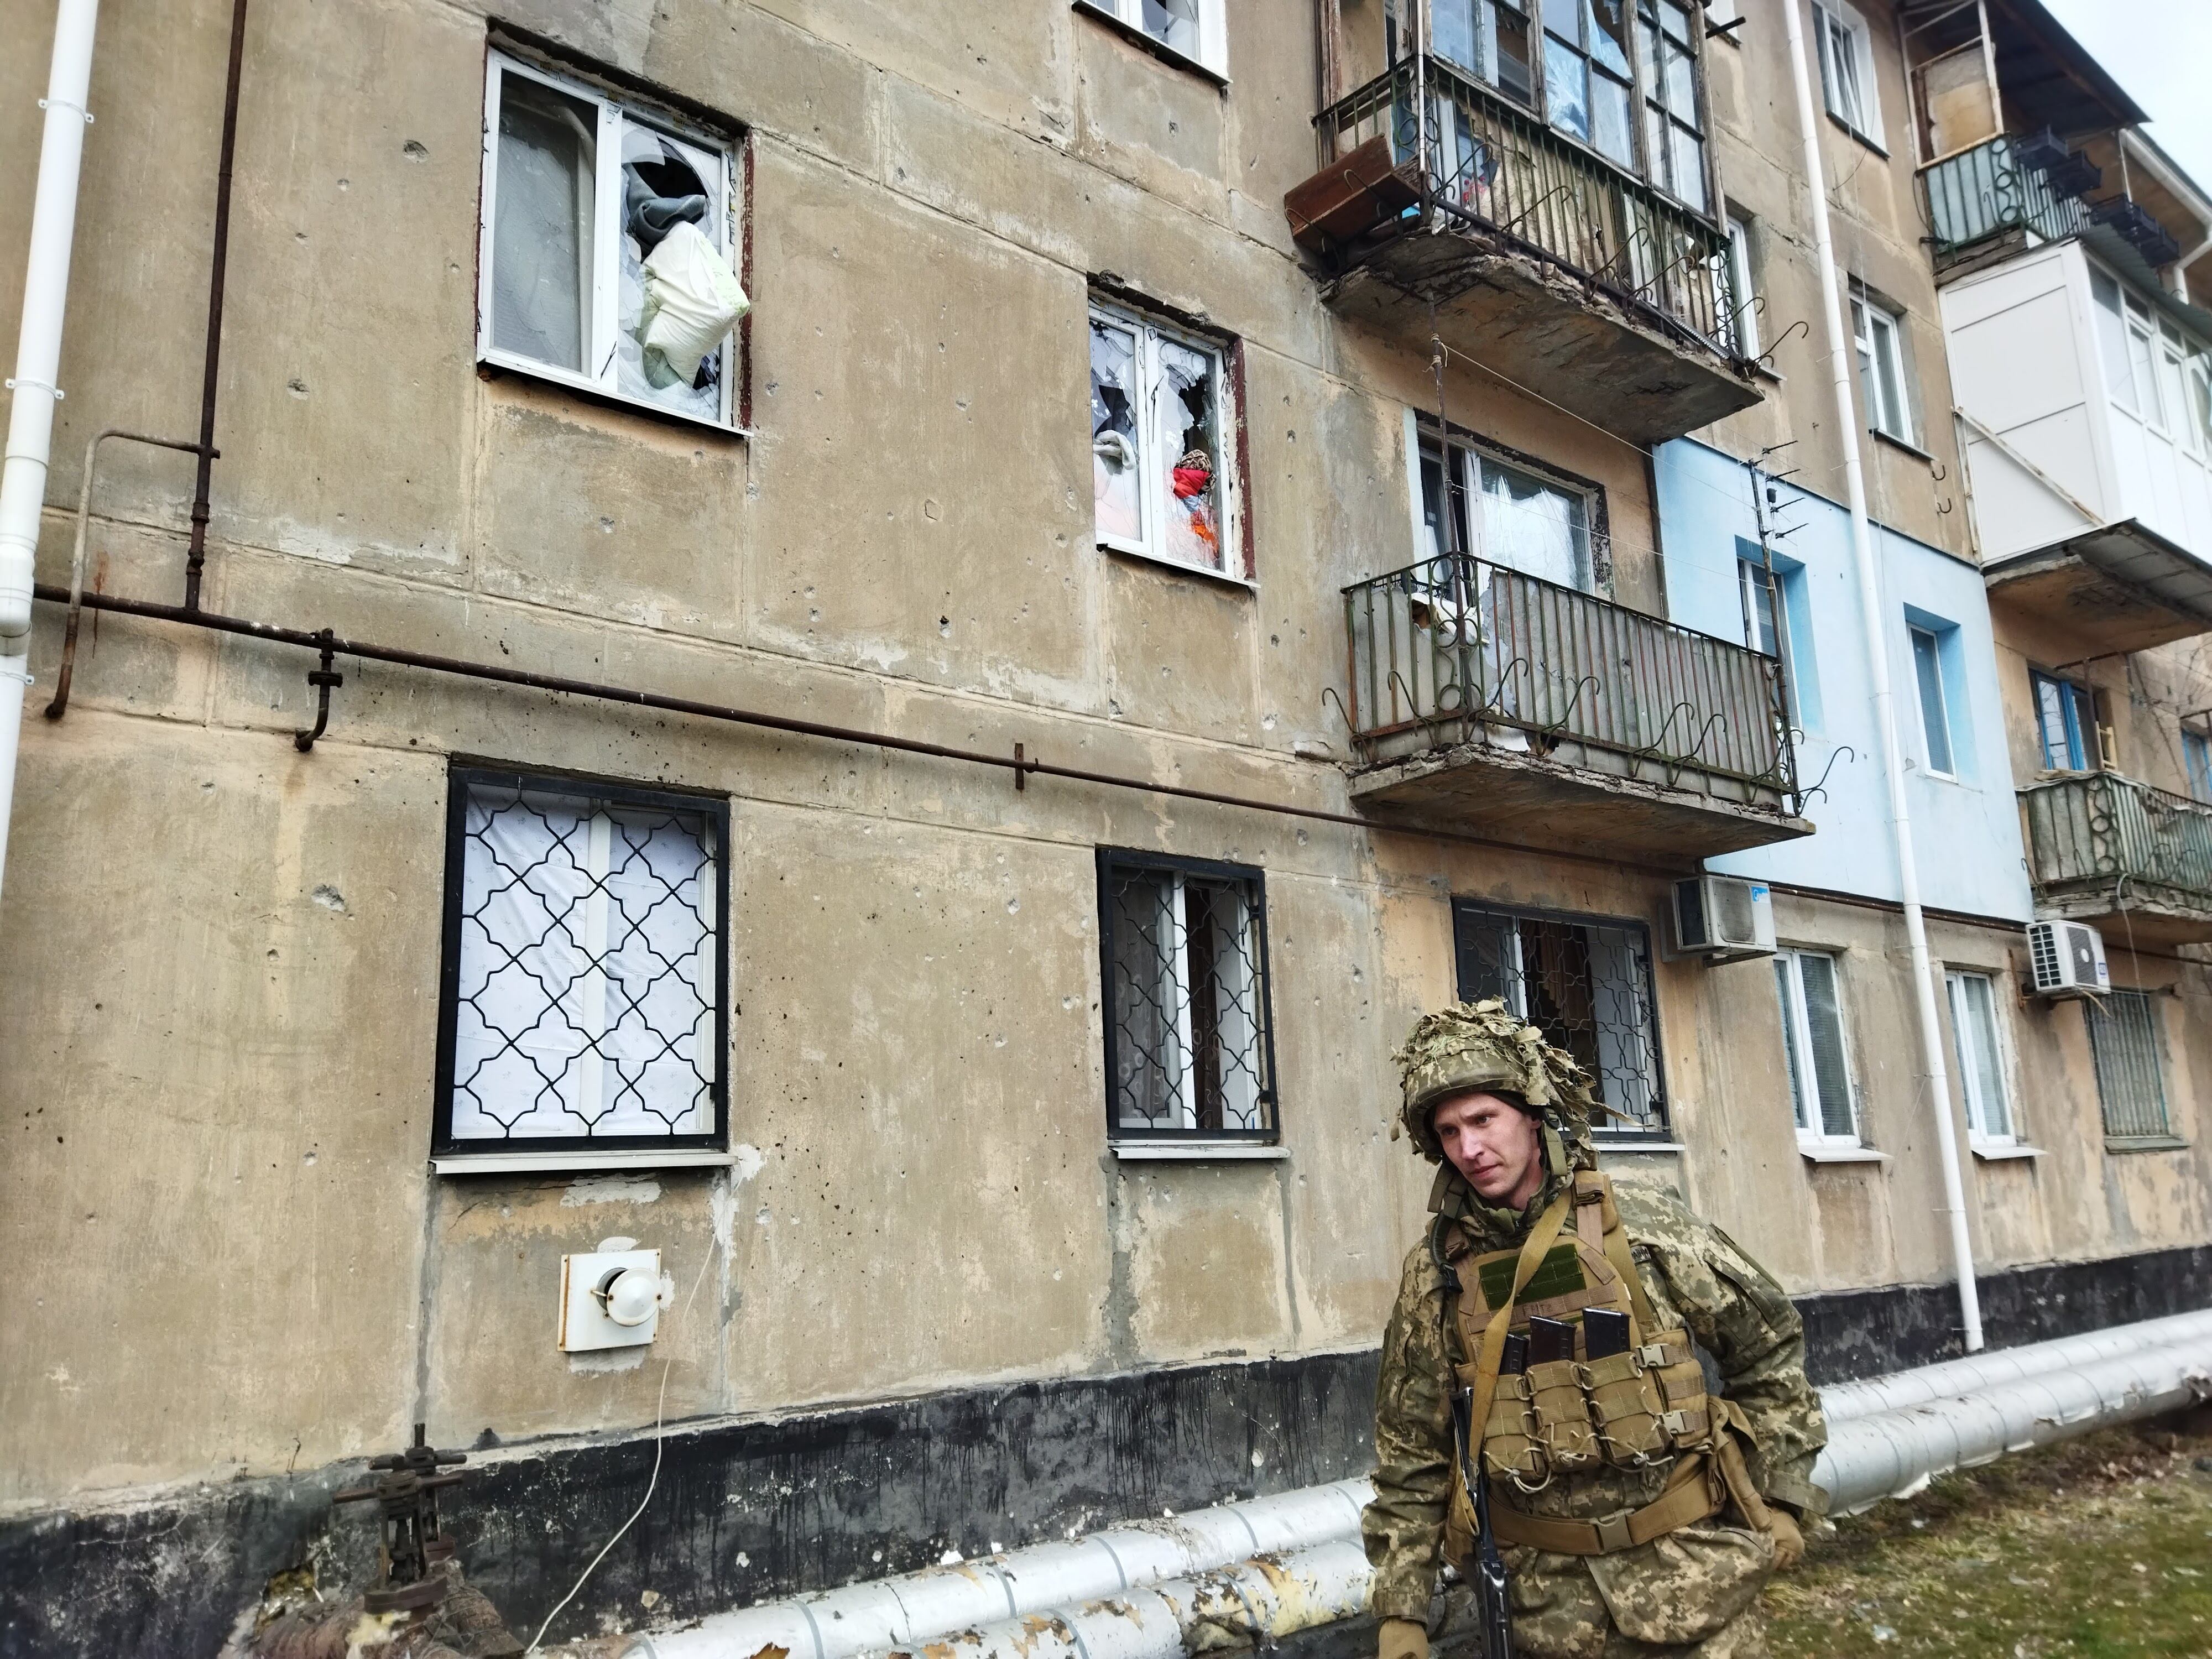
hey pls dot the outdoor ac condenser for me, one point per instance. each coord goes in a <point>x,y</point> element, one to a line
<point>2067,959</point>
<point>1723,918</point>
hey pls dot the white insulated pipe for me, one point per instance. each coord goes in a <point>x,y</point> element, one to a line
<point>1159,1590</point>
<point>37,362</point>
<point>1885,707</point>
<point>920,1607</point>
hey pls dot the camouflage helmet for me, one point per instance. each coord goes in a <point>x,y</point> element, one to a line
<point>1484,1046</point>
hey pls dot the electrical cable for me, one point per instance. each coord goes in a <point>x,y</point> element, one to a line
<point>660,1419</point>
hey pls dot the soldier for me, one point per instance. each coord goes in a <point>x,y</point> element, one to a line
<point>1638,1516</point>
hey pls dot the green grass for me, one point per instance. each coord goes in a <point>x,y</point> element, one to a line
<point>2098,1549</point>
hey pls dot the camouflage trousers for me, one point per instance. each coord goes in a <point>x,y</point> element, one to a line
<point>1560,1611</point>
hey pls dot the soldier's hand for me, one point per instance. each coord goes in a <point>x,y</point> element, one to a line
<point>1789,1540</point>
<point>1401,1638</point>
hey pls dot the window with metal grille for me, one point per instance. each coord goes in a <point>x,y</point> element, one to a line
<point>2130,1087</point>
<point>1584,981</point>
<point>586,980</point>
<point>1189,1046</point>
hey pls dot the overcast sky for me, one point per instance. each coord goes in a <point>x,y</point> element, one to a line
<point>2161,52</point>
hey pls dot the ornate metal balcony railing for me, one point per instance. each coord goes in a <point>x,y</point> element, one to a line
<point>2098,826</point>
<point>1458,649</point>
<point>1987,191</point>
<point>1493,165</point>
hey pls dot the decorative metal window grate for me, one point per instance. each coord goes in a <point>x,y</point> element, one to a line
<point>1585,981</point>
<point>1189,1046</point>
<point>586,980</point>
<point>2123,1042</point>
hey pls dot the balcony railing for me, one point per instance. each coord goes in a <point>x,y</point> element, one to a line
<point>1987,191</point>
<point>1457,649</point>
<point>2099,828</point>
<point>1495,166</point>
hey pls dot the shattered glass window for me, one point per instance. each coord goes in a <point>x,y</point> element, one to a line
<point>1188,1047</point>
<point>584,994</point>
<point>542,232</point>
<point>607,246</point>
<point>1174,23</point>
<point>1113,455</point>
<point>1586,983</point>
<point>1157,428</point>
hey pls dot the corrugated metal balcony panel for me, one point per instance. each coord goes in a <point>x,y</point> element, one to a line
<point>1537,713</point>
<point>1546,262</point>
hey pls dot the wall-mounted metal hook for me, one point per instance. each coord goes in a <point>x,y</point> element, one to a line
<point>1834,755</point>
<point>1329,695</point>
<point>323,679</point>
<point>1766,357</point>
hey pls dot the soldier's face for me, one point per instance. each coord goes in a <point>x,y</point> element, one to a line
<point>1494,1146</point>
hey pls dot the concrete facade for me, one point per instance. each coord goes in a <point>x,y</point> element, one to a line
<point>223,1036</point>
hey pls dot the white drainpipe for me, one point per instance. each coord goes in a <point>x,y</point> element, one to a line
<point>1263,1569</point>
<point>38,361</point>
<point>1885,708</point>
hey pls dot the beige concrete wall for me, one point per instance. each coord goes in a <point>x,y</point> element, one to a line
<point>223,1043</point>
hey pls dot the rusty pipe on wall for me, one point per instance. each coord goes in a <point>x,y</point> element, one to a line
<point>60,706</point>
<point>319,641</point>
<point>196,556</point>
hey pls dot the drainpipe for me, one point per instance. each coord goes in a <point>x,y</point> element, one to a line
<point>38,361</point>
<point>1885,708</point>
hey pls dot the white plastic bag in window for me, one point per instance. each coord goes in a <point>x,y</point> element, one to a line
<point>692,301</point>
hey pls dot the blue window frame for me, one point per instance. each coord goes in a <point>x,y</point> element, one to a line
<point>2196,753</point>
<point>2066,720</point>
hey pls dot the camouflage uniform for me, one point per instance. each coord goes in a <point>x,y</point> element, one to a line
<point>1693,1592</point>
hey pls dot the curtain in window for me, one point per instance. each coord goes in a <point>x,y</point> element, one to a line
<point>587,987</point>
<point>1536,528</point>
<point>542,231</point>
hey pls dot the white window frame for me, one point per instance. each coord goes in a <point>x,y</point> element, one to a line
<point>1151,470</point>
<point>1914,633</point>
<point>1878,333</point>
<point>1797,1035</point>
<point>605,297</point>
<point>1212,53</point>
<point>1743,298</point>
<point>1844,37</point>
<point>1968,1040</point>
<point>1461,463</point>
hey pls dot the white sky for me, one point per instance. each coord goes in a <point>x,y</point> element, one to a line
<point>2161,50</point>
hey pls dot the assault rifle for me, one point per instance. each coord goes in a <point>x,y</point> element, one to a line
<point>1493,1610</point>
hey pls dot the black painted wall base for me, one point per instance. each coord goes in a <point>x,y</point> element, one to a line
<point>749,1510</point>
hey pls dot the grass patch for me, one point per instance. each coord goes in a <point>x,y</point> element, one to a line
<point>2098,1549</point>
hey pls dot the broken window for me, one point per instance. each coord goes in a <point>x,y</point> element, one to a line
<point>585,978</point>
<point>1190,29</point>
<point>1586,74</point>
<point>608,250</point>
<point>1847,77</point>
<point>1190,1050</point>
<point>1531,523</point>
<point>1586,983</point>
<point>1158,466</point>
<point>1673,131</point>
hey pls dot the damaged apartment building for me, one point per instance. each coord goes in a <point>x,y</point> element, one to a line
<point>870,657</point>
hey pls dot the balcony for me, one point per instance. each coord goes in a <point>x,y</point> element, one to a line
<point>2116,588</point>
<point>2133,861</point>
<point>1551,265</point>
<point>2003,187</point>
<point>1501,703</point>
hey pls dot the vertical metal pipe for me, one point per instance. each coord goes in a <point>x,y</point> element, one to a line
<point>196,555</point>
<point>1885,710</point>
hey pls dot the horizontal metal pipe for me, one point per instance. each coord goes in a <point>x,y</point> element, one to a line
<point>367,651</point>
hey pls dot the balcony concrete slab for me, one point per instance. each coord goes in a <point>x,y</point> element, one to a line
<point>1563,799</point>
<point>2152,918</point>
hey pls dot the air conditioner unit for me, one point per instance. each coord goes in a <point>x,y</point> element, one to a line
<point>1723,918</point>
<point>2067,959</point>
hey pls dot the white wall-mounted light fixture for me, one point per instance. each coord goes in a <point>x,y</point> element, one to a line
<point>611,1297</point>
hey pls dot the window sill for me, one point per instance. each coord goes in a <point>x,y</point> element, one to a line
<point>501,363</point>
<point>1199,1151</point>
<point>1874,145</point>
<point>1160,562</point>
<point>1904,444</point>
<point>1617,1148</point>
<point>1813,1154</point>
<point>579,1162</point>
<point>2145,1144</point>
<point>1994,1154</point>
<point>1159,48</point>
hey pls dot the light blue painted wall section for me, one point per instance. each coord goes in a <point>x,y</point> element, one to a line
<point>1967,831</point>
